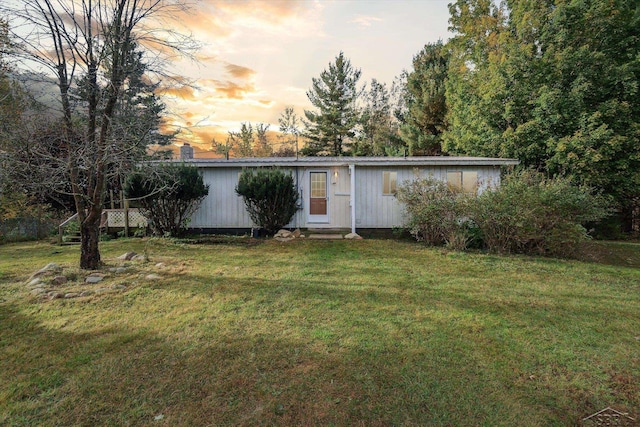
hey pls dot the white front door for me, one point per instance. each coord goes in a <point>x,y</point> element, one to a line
<point>318,197</point>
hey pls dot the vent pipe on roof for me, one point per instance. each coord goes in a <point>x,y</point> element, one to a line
<point>186,152</point>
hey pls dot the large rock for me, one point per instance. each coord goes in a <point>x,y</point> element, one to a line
<point>353,236</point>
<point>284,234</point>
<point>35,282</point>
<point>94,278</point>
<point>50,269</point>
<point>59,280</point>
<point>127,256</point>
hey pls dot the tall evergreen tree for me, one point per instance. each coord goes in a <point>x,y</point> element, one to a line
<point>425,101</point>
<point>136,121</point>
<point>378,131</point>
<point>331,127</point>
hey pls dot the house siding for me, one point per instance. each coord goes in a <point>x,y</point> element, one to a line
<point>377,210</point>
<point>223,208</point>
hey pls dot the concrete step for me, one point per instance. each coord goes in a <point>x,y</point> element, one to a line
<point>332,236</point>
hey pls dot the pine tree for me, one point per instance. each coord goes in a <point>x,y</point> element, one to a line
<point>378,133</point>
<point>330,128</point>
<point>425,101</point>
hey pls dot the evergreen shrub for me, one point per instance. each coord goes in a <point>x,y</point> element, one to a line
<point>270,196</point>
<point>168,194</point>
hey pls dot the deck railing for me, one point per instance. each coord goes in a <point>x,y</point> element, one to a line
<point>112,220</point>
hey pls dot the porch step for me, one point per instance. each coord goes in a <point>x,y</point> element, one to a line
<point>72,238</point>
<point>327,230</point>
<point>332,236</point>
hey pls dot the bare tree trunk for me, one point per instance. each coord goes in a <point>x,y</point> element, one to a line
<point>89,239</point>
<point>93,39</point>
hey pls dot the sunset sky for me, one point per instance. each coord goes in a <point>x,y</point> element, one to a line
<point>259,56</point>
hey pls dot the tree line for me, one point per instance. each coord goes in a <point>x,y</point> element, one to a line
<point>553,83</point>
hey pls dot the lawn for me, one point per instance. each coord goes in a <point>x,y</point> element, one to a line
<point>373,333</point>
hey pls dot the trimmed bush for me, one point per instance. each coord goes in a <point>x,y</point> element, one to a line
<point>168,195</point>
<point>270,196</point>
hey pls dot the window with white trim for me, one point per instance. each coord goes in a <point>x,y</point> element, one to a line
<point>389,183</point>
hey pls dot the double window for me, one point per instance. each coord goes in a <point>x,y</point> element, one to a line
<point>466,181</point>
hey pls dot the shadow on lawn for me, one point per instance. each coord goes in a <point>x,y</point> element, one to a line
<point>118,376</point>
<point>432,340</point>
<point>621,254</point>
<point>204,239</point>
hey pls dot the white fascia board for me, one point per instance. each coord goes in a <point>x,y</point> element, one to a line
<point>346,161</point>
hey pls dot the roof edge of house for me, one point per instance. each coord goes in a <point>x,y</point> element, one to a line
<point>345,161</point>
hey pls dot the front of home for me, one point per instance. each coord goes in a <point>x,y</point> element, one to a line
<point>337,192</point>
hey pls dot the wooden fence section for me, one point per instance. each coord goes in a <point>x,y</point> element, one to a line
<point>112,221</point>
<point>125,218</point>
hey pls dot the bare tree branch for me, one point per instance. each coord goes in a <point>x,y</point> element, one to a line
<point>88,46</point>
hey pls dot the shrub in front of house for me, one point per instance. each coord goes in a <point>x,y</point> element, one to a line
<point>270,196</point>
<point>436,213</point>
<point>533,214</point>
<point>529,213</point>
<point>168,195</point>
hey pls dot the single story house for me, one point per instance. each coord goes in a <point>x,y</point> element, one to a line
<point>337,192</point>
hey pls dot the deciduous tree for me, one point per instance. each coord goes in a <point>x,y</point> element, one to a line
<point>262,146</point>
<point>555,84</point>
<point>95,39</point>
<point>290,130</point>
<point>242,141</point>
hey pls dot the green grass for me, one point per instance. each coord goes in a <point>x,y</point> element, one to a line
<point>372,332</point>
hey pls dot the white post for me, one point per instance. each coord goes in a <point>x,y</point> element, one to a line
<point>352,199</point>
